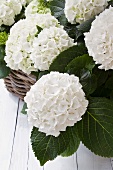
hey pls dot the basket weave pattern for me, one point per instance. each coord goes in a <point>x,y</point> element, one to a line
<point>19,83</point>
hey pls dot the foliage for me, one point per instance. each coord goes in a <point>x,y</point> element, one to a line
<point>3,38</point>
<point>24,109</point>
<point>4,70</point>
<point>49,146</point>
<point>95,129</point>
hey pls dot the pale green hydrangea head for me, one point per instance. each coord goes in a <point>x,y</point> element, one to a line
<point>37,6</point>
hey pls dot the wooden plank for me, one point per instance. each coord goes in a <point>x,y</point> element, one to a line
<point>111,163</point>
<point>33,163</point>
<point>8,115</point>
<point>89,161</point>
<point>61,163</point>
<point>19,158</point>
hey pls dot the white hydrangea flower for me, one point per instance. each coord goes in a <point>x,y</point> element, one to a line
<point>99,40</point>
<point>55,102</point>
<point>45,20</point>
<point>8,10</point>
<point>48,45</point>
<point>36,7</point>
<point>20,41</point>
<point>19,44</point>
<point>82,10</point>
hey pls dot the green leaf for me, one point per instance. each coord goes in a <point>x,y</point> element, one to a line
<point>2,52</point>
<point>82,67</point>
<point>24,109</point>
<point>20,16</point>
<point>36,74</point>
<point>48,147</point>
<point>109,83</point>
<point>101,75</point>
<point>111,95</point>
<point>66,56</point>
<point>5,28</point>
<point>72,31</point>
<point>96,127</point>
<point>4,70</point>
<point>39,74</point>
<point>73,143</point>
<point>110,3</point>
<point>63,20</point>
<point>42,73</point>
<point>39,29</point>
<point>101,91</point>
<point>81,62</point>
<point>57,8</point>
<point>85,26</point>
<point>89,82</point>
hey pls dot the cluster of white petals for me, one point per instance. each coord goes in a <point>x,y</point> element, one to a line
<point>82,10</point>
<point>19,44</point>
<point>44,20</point>
<point>20,41</point>
<point>8,10</point>
<point>48,45</point>
<point>99,40</point>
<point>55,102</point>
<point>36,7</point>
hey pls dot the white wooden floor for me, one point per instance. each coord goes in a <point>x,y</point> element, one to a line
<point>15,148</point>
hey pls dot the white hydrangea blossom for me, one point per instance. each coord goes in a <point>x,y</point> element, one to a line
<point>55,102</point>
<point>99,40</point>
<point>19,44</point>
<point>20,41</point>
<point>48,45</point>
<point>36,7</point>
<point>8,10</point>
<point>82,10</point>
<point>45,20</point>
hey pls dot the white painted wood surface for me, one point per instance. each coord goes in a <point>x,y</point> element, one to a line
<point>15,148</point>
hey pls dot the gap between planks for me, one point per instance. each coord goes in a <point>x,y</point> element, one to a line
<point>14,133</point>
<point>79,161</point>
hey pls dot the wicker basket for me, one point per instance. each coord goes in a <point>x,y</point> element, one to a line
<point>19,83</point>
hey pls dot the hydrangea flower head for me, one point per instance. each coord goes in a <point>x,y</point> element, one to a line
<point>55,102</point>
<point>19,44</point>
<point>48,45</point>
<point>82,10</point>
<point>8,10</point>
<point>36,7</point>
<point>28,50</point>
<point>99,40</point>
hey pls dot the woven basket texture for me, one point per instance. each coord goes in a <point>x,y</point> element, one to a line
<point>19,83</point>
